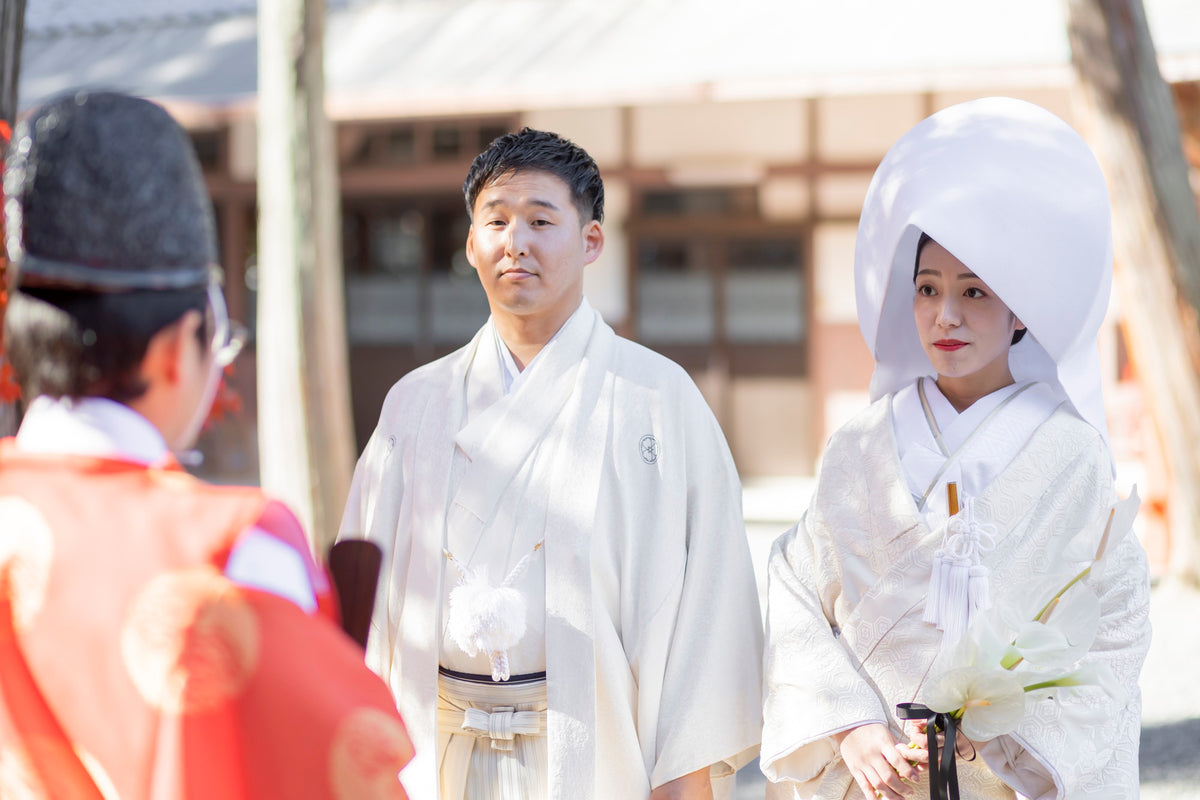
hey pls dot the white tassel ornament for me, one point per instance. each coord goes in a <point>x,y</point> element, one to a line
<point>485,618</point>
<point>959,588</point>
<point>934,595</point>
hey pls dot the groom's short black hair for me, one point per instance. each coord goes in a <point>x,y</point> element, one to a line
<point>530,149</point>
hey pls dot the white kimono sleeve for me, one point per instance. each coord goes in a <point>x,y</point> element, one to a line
<point>814,688</point>
<point>372,512</point>
<point>710,713</point>
<point>365,488</point>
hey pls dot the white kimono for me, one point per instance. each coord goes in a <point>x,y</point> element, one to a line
<point>846,640</point>
<point>652,628</point>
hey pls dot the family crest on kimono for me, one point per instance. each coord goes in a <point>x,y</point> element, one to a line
<point>159,637</point>
<point>557,509</point>
<point>982,272</point>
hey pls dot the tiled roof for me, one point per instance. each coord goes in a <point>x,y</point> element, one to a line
<point>448,56</point>
<point>59,17</point>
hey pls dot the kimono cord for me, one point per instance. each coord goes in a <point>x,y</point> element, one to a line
<point>929,418</point>
<point>954,456</point>
<point>943,776</point>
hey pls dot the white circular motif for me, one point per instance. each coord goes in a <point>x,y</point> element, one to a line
<point>26,547</point>
<point>190,642</point>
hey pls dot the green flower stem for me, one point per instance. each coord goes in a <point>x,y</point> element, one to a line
<point>1008,662</point>
<point>1033,687</point>
<point>1045,612</point>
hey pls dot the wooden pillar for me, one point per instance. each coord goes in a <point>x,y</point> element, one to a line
<point>1130,120</point>
<point>12,34</point>
<point>306,449</point>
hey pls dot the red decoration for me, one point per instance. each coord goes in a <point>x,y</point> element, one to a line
<point>227,403</point>
<point>10,392</point>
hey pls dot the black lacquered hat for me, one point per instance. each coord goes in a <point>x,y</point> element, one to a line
<point>103,193</point>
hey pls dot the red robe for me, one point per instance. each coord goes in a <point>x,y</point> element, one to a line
<point>131,667</point>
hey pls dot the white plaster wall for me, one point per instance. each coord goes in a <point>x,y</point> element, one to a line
<point>597,130</point>
<point>720,133</point>
<point>863,127</point>
<point>842,194</point>
<point>833,248</point>
<point>770,426</point>
<point>784,199</point>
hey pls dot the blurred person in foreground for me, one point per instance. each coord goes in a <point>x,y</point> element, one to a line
<point>159,637</point>
<point>567,606</point>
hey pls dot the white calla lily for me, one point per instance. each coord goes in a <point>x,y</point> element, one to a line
<point>1065,631</point>
<point>1102,536</point>
<point>988,702</point>
<point>1119,526</point>
<point>1033,639</point>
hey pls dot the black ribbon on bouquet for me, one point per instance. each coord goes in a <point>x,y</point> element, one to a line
<point>943,773</point>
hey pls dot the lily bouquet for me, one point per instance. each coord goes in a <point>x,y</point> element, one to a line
<point>1024,652</point>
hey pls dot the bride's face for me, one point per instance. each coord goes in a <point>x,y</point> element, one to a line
<point>965,329</point>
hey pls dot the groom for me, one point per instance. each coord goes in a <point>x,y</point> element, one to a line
<point>582,479</point>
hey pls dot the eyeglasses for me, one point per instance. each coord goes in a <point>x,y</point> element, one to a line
<point>229,336</point>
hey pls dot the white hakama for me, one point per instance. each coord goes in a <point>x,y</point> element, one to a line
<point>492,740</point>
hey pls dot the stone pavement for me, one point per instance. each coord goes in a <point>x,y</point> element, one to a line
<point>1170,682</point>
<point>1170,754</point>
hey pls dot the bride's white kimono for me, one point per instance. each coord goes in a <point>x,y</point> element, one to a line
<point>846,640</point>
<point>652,628</point>
<point>1016,195</point>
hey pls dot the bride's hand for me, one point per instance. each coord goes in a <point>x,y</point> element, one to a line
<point>874,761</point>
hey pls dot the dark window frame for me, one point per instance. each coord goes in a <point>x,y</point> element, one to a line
<point>719,232</point>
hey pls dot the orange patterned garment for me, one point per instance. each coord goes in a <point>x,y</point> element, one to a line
<point>131,667</point>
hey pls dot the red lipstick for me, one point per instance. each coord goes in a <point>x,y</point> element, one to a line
<point>949,345</point>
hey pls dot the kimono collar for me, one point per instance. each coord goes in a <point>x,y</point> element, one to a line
<point>91,426</point>
<point>510,374</point>
<point>1015,194</point>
